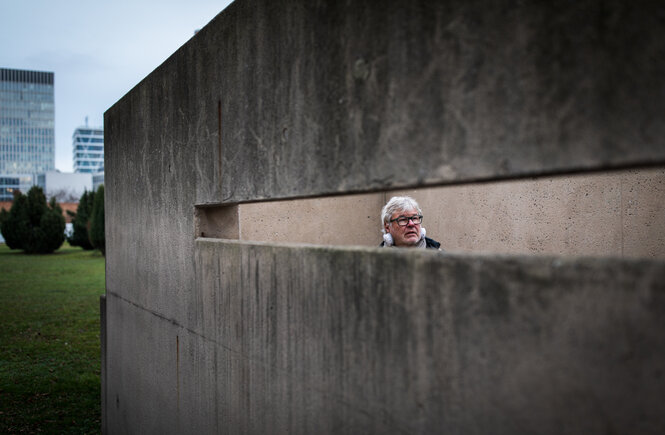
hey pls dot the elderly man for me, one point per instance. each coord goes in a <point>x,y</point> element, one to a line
<point>401,218</point>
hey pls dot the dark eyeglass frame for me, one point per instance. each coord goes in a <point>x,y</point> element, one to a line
<point>403,221</point>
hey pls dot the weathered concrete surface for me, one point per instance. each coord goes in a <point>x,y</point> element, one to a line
<point>335,340</point>
<point>376,95</point>
<point>104,370</point>
<point>284,99</point>
<point>159,379</point>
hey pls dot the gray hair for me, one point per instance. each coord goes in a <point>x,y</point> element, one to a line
<point>397,203</point>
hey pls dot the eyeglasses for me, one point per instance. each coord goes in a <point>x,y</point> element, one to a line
<point>403,221</point>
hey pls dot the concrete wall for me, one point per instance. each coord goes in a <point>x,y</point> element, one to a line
<point>286,100</point>
<point>313,339</point>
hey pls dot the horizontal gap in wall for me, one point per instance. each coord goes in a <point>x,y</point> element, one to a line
<point>611,213</point>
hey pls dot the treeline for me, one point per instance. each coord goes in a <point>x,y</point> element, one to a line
<point>38,227</point>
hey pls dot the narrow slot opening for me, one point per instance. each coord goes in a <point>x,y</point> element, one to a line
<point>616,213</point>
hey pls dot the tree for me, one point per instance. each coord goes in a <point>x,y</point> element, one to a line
<point>49,234</point>
<point>14,225</point>
<point>63,195</point>
<point>33,225</point>
<point>81,221</point>
<point>97,236</point>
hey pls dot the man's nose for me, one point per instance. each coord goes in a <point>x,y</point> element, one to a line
<point>410,223</point>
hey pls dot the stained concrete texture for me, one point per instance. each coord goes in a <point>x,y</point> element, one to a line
<point>103,353</point>
<point>290,99</point>
<point>158,379</point>
<point>298,339</point>
<point>381,95</point>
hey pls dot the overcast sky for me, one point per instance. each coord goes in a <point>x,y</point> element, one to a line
<point>98,50</point>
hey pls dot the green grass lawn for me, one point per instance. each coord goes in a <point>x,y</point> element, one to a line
<point>49,341</point>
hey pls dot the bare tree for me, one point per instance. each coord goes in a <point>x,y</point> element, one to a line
<point>64,195</point>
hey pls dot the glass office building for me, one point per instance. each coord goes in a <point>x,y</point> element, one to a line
<point>88,150</point>
<point>27,128</point>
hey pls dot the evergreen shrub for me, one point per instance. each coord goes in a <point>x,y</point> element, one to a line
<point>14,225</point>
<point>33,225</point>
<point>97,237</point>
<point>81,222</point>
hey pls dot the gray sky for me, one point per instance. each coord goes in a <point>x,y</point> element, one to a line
<point>98,50</point>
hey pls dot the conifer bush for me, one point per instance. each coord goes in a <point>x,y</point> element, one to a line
<point>97,237</point>
<point>33,225</point>
<point>81,222</point>
<point>14,225</point>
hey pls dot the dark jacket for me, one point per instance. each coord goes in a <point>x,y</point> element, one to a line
<point>431,243</point>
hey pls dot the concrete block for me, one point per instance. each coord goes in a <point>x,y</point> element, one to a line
<point>160,376</point>
<point>208,336</point>
<point>381,95</point>
<point>349,340</point>
<point>396,94</point>
<point>103,352</point>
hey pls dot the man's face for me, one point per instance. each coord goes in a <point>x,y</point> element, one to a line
<point>406,236</point>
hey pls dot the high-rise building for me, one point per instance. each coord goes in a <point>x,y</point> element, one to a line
<point>88,150</point>
<point>27,128</point>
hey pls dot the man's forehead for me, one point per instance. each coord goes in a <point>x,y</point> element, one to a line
<point>409,212</point>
